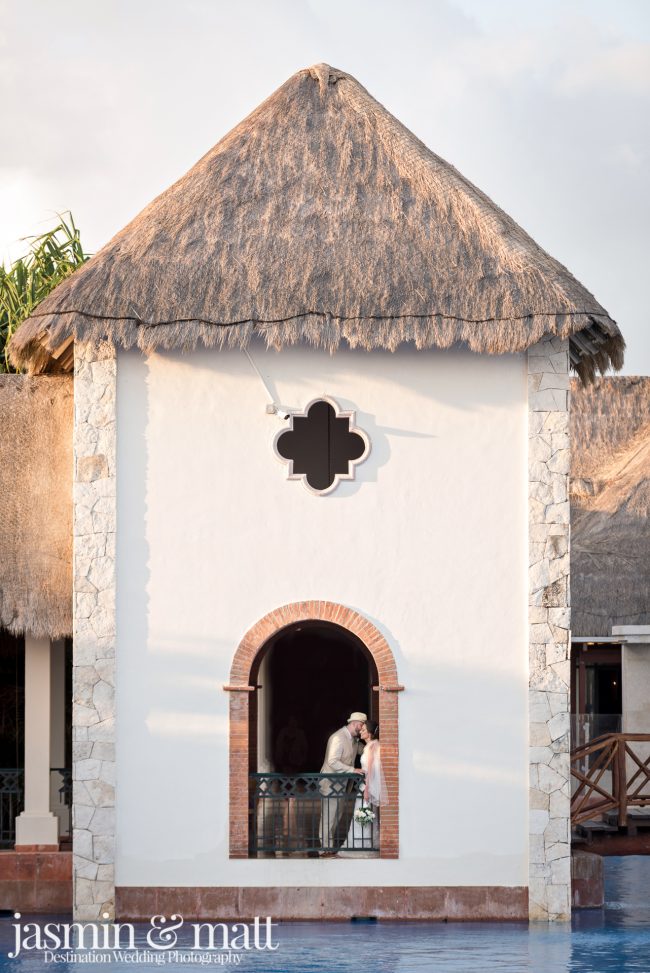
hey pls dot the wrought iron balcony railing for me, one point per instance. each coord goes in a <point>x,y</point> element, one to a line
<point>308,814</point>
<point>11,803</point>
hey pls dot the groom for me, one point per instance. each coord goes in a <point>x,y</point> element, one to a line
<point>340,755</point>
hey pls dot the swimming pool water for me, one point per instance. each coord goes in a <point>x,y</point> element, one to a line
<point>615,939</point>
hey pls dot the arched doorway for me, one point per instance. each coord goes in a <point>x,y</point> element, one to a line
<point>309,677</point>
<point>299,650</point>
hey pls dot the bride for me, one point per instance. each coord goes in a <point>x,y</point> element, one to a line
<point>372,794</point>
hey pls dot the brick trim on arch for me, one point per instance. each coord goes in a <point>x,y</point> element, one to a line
<point>240,692</point>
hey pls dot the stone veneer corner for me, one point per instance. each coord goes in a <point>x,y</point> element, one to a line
<point>93,720</point>
<point>549,630</point>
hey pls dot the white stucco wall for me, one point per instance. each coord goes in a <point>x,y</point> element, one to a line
<point>635,676</point>
<point>211,536</point>
<point>636,688</point>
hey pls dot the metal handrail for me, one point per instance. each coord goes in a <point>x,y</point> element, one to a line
<point>307,814</point>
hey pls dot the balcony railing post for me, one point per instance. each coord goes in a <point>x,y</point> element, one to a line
<point>622,781</point>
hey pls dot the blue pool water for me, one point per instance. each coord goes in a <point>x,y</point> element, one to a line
<point>616,939</point>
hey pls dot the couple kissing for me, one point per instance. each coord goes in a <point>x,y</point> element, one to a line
<point>360,736</point>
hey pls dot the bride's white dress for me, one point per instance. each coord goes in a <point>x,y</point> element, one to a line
<point>364,838</point>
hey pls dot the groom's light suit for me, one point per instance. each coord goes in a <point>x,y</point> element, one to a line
<point>341,752</point>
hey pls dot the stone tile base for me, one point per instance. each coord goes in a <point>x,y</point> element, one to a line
<point>24,848</point>
<point>434,903</point>
<point>36,881</point>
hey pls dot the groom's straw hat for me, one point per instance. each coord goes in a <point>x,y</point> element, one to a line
<point>361,717</point>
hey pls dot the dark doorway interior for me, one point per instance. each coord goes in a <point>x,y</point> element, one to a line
<point>596,689</point>
<point>12,700</point>
<point>312,675</point>
<point>607,688</point>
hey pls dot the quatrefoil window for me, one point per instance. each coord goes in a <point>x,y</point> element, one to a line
<point>322,446</point>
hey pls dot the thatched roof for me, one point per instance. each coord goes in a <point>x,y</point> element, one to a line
<point>36,504</point>
<point>610,505</point>
<point>321,218</point>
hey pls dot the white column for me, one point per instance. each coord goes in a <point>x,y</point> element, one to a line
<point>37,825</point>
<point>57,732</point>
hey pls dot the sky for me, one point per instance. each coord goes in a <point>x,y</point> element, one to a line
<point>543,105</point>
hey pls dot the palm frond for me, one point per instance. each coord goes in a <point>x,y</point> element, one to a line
<point>52,256</point>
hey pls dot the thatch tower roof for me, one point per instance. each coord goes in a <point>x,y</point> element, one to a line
<point>610,505</point>
<point>36,504</point>
<point>321,218</point>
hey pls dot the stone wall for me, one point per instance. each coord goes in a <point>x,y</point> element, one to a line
<point>549,621</point>
<point>93,757</point>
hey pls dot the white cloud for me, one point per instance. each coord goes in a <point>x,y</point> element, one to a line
<point>572,58</point>
<point>22,206</point>
<point>613,66</point>
<point>627,156</point>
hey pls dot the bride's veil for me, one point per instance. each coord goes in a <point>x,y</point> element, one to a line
<point>377,790</point>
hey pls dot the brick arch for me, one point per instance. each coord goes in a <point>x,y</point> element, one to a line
<point>240,691</point>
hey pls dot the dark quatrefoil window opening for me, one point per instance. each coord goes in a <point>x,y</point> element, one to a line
<point>321,446</point>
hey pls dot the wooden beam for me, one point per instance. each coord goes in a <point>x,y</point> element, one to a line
<point>57,352</point>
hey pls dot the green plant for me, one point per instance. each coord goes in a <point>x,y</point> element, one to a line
<point>51,258</point>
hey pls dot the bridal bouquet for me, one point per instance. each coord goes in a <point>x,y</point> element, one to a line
<point>364,815</point>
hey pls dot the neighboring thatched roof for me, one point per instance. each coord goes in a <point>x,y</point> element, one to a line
<point>610,505</point>
<point>321,218</point>
<point>36,504</point>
